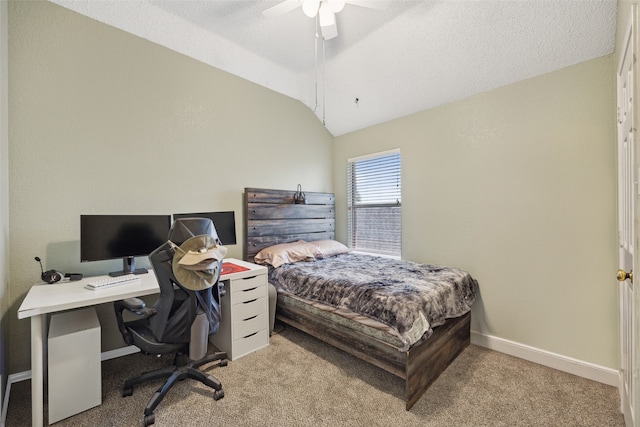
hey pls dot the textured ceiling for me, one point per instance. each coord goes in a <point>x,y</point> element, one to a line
<point>411,56</point>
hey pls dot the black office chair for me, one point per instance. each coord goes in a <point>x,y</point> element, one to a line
<point>166,328</point>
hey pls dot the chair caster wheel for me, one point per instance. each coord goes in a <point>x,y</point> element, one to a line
<point>224,362</point>
<point>127,391</point>
<point>218,394</point>
<point>149,419</point>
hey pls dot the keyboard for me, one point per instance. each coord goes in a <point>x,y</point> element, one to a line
<point>109,282</point>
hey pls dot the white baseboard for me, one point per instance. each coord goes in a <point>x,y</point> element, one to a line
<point>118,352</point>
<point>26,375</point>
<point>552,360</point>
<point>13,378</point>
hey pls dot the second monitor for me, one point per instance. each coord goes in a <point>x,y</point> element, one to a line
<point>224,222</point>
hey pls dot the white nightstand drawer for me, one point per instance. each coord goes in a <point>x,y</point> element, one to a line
<point>243,328</point>
<point>248,283</point>
<point>249,294</point>
<point>249,309</point>
<point>244,323</point>
<point>250,343</point>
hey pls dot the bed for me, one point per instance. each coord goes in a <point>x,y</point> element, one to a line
<point>417,353</point>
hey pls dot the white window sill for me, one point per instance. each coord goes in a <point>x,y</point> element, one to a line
<point>355,251</point>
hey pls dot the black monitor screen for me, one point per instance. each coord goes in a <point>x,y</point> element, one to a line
<point>224,222</point>
<point>105,237</point>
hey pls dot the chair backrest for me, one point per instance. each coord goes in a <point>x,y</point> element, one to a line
<point>177,307</point>
<point>185,228</point>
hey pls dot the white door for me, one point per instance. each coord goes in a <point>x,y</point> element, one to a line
<point>627,193</point>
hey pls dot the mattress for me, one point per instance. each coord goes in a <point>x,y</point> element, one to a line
<point>399,302</point>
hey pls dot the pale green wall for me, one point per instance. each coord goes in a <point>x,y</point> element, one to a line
<point>622,22</point>
<point>4,200</point>
<point>518,186</point>
<point>105,122</point>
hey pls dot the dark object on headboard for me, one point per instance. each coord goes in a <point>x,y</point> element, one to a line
<point>272,217</point>
<point>299,198</point>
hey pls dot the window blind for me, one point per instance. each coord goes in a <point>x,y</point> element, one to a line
<point>375,203</point>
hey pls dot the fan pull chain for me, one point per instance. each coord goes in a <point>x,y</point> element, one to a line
<point>319,39</point>
<point>315,57</point>
<point>323,86</point>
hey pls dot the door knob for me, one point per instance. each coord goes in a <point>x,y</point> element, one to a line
<point>623,275</point>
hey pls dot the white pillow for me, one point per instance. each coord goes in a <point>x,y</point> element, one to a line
<point>286,253</point>
<point>327,248</point>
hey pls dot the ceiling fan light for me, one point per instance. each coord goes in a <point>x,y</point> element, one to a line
<point>327,22</point>
<point>310,7</point>
<point>335,5</point>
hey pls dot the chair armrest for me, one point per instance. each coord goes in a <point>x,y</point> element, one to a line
<point>137,306</point>
<point>133,305</point>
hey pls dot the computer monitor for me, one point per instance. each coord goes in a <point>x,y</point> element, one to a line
<point>106,237</point>
<point>224,222</point>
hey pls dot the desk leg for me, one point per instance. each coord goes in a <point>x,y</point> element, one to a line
<point>37,370</point>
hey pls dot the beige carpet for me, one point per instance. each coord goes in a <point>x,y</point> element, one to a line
<point>299,381</point>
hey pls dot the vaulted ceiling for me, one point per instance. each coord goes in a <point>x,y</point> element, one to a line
<point>384,64</point>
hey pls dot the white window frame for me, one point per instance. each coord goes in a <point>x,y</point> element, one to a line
<point>370,240</point>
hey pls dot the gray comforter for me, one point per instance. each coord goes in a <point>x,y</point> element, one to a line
<point>408,297</point>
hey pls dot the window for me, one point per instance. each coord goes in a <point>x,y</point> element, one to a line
<point>374,203</point>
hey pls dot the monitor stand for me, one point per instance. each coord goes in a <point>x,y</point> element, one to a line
<point>128,267</point>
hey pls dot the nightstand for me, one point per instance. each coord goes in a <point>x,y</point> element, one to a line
<point>244,326</point>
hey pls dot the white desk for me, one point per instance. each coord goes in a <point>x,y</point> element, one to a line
<point>44,299</point>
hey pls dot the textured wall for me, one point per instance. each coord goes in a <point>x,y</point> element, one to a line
<point>105,122</point>
<point>4,199</point>
<point>518,186</point>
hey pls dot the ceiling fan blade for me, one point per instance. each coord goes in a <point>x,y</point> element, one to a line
<point>281,8</point>
<point>335,5</point>
<point>371,4</point>
<point>311,7</point>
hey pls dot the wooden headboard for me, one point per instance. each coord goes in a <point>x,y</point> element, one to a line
<point>271,217</point>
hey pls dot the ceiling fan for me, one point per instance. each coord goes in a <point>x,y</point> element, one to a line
<point>324,10</point>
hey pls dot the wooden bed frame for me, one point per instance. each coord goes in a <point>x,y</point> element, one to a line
<point>272,217</point>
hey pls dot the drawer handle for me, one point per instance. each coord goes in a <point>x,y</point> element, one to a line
<point>248,278</point>
<point>249,290</point>
<point>249,318</point>
<point>250,301</point>
<point>250,335</point>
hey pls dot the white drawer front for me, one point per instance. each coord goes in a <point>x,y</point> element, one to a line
<point>249,294</point>
<point>249,309</point>
<point>251,343</point>
<point>244,328</point>
<point>248,283</point>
